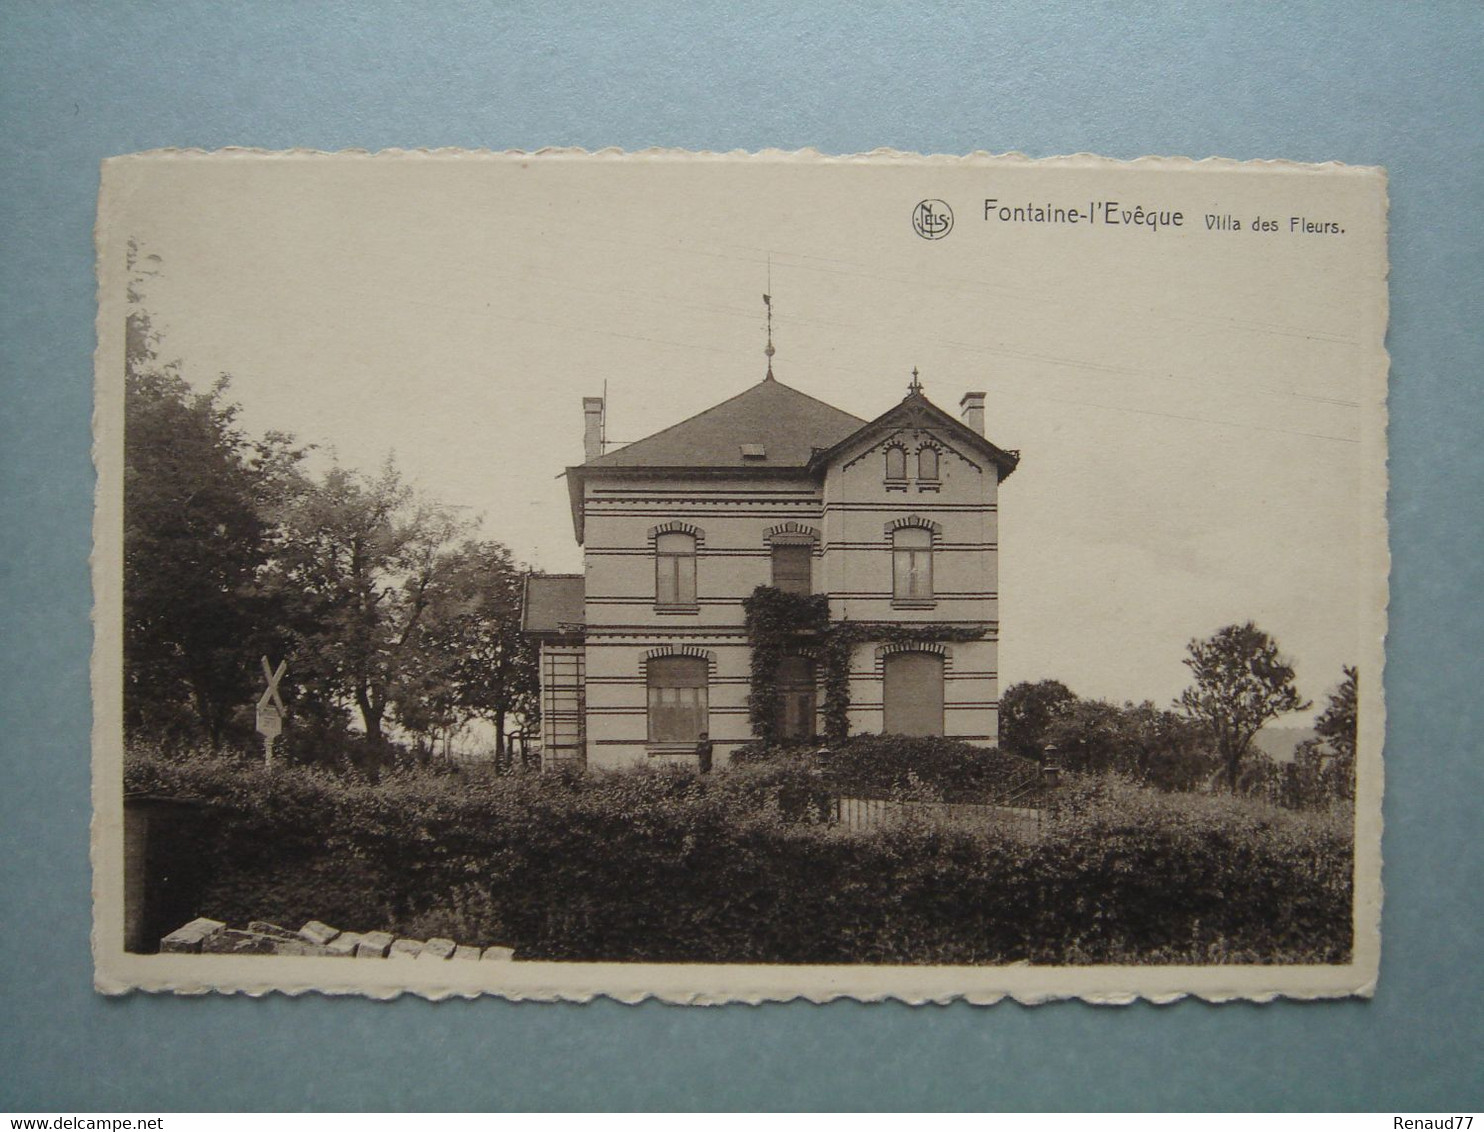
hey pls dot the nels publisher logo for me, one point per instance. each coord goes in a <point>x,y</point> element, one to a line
<point>932,219</point>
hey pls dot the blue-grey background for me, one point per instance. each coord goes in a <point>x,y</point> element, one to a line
<point>1391,84</point>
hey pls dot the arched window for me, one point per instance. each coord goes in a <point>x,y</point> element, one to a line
<point>675,568</point>
<point>913,693</point>
<point>912,564</point>
<point>677,698</point>
<point>927,463</point>
<point>896,463</point>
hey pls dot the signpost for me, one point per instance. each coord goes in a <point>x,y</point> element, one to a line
<point>270,708</point>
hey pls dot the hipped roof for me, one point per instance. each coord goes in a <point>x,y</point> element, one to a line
<point>795,431</point>
<point>789,425</point>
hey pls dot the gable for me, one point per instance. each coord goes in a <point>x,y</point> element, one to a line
<point>917,415</point>
<point>872,445</point>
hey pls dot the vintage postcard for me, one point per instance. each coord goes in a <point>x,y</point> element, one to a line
<point>739,577</point>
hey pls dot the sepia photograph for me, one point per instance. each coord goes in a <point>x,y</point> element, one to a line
<point>728,577</point>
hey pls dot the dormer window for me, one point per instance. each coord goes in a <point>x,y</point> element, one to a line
<point>752,452</point>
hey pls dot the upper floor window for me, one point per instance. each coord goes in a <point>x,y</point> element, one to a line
<point>791,566</point>
<point>912,564</point>
<point>927,463</point>
<point>675,568</point>
<point>896,463</point>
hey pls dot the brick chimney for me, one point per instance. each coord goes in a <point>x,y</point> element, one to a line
<point>592,428</point>
<point>971,409</point>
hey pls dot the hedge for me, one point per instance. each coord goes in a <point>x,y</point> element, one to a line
<point>928,768</point>
<point>667,865</point>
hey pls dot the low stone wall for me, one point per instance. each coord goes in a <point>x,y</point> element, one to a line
<point>212,937</point>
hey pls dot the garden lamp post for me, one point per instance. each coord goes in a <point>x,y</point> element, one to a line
<point>1050,766</point>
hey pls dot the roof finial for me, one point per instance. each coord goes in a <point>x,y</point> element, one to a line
<point>768,302</point>
<point>914,386</point>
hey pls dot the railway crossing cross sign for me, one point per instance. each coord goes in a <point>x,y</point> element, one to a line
<point>270,708</point>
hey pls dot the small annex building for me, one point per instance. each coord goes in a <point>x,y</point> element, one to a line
<point>895,519</point>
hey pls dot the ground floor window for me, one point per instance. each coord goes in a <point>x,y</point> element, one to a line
<point>677,699</point>
<point>913,693</point>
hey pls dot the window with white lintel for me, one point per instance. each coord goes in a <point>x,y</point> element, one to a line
<point>675,569</point>
<point>912,564</point>
<point>677,698</point>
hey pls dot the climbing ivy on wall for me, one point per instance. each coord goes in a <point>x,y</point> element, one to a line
<point>780,624</point>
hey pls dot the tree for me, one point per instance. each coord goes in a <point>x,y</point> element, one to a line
<point>1241,682</point>
<point>1328,759</point>
<point>195,541</point>
<point>1027,712</point>
<point>471,660</point>
<point>358,562</point>
<point>1157,747</point>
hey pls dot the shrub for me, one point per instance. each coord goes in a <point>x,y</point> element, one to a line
<point>668,865</point>
<point>895,765</point>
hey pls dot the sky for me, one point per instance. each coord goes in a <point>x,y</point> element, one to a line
<point>1199,410</point>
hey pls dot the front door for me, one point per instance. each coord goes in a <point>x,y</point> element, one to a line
<point>795,700</point>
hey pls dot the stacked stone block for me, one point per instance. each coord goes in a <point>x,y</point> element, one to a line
<point>212,937</point>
